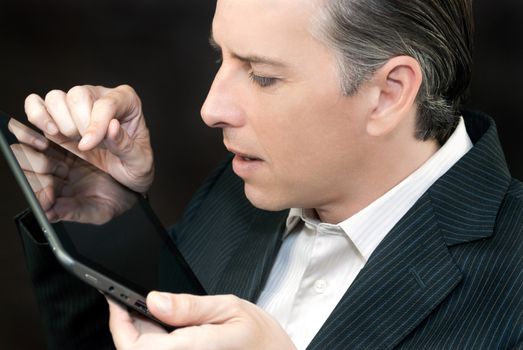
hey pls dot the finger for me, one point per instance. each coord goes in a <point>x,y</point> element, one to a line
<point>56,104</point>
<point>119,143</point>
<point>121,325</point>
<point>38,181</point>
<point>35,161</point>
<point>42,189</point>
<point>64,208</point>
<point>38,115</point>
<point>119,103</point>
<point>134,154</point>
<point>189,310</point>
<point>223,336</point>
<point>147,326</point>
<point>45,187</point>
<point>82,210</point>
<point>126,330</point>
<point>27,135</point>
<point>80,101</point>
<point>46,198</point>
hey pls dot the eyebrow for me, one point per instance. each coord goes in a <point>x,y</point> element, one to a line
<point>248,58</point>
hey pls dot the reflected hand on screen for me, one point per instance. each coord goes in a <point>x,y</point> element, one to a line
<point>67,187</point>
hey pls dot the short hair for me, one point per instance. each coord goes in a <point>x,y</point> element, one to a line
<point>365,34</point>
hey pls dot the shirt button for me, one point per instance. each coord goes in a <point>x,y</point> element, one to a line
<point>320,286</point>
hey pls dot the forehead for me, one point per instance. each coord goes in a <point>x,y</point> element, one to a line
<point>277,27</point>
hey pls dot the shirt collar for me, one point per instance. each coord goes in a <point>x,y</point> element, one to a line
<point>367,228</point>
<point>298,215</point>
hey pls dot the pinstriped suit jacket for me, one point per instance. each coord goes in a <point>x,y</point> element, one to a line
<point>448,276</point>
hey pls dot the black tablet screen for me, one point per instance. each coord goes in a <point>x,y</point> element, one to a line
<point>110,229</point>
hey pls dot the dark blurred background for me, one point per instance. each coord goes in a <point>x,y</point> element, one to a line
<point>160,48</point>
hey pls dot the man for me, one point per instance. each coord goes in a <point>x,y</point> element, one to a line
<point>404,228</point>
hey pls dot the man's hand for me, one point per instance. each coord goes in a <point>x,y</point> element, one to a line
<point>203,322</point>
<point>104,126</point>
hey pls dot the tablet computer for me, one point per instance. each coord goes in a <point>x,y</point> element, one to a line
<point>117,244</point>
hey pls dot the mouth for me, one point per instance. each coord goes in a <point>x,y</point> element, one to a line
<point>247,158</point>
<point>244,156</point>
<point>244,164</point>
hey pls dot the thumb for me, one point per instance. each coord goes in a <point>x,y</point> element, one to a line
<point>182,310</point>
<point>131,160</point>
<point>121,103</point>
<point>118,141</point>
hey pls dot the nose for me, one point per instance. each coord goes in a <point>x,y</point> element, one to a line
<point>221,108</point>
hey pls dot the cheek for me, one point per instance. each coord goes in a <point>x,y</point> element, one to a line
<point>301,128</point>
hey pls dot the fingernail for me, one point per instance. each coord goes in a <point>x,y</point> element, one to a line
<point>162,302</point>
<point>51,128</point>
<point>40,143</point>
<point>86,139</point>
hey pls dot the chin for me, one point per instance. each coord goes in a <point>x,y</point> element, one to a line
<point>265,199</point>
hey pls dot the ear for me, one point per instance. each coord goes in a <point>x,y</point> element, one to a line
<point>396,84</point>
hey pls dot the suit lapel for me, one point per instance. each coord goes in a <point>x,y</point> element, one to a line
<point>250,265</point>
<point>408,275</point>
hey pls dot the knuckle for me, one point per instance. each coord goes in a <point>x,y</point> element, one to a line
<point>77,94</point>
<point>54,96</point>
<point>32,98</point>
<point>234,303</point>
<point>36,115</point>
<point>126,89</point>
<point>32,107</point>
<point>190,306</point>
<point>130,93</point>
<point>108,103</point>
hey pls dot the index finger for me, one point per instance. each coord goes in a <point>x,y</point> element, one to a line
<point>121,325</point>
<point>26,135</point>
<point>38,115</point>
<point>127,333</point>
<point>120,103</point>
<point>183,310</point>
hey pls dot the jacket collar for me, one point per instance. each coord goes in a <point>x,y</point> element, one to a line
<point>466,200</point>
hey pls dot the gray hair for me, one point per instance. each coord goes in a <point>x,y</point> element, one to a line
<point>438,33</point>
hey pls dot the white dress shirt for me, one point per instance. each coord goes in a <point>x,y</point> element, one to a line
<point>318,262</point>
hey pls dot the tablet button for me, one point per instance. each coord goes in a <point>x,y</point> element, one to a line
<point>91,278</point>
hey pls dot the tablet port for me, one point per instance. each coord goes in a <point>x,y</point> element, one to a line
<point>111,289</point>
<point>141,306</point>
<point>124,297</point>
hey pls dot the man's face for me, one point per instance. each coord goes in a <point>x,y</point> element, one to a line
<point>298,141</point>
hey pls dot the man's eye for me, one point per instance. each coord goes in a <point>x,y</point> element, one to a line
<point>262,81</point>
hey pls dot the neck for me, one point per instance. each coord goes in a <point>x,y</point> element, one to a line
<point>385,170</point>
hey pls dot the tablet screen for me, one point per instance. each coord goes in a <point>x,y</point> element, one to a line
<point>109,228</point>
